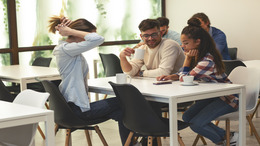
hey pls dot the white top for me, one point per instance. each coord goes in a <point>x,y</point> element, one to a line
<point>165,59</point>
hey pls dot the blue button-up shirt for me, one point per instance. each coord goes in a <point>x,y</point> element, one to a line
<point>221,42</point>
<point>73,69</point>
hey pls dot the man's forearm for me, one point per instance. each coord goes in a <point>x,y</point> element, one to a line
<point>125,65</point>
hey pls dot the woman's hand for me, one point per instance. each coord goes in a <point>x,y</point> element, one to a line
<point>192,53</point>
<point>63,30</point>
<point>65,21</point>
<point>173,77</point>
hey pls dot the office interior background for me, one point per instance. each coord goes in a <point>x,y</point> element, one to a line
<point>117,21</point>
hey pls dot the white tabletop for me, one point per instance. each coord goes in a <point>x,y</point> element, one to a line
<point>176,93</point>
<point>16,114</point>
<point>27,74</point>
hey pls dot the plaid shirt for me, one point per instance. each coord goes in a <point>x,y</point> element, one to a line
<point>205,71</point>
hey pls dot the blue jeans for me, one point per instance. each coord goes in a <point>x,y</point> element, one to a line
<point>104,108</point>
<point>202,113</point>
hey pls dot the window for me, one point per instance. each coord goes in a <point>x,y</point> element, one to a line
<point>4,43</point>
<point>116,20</point>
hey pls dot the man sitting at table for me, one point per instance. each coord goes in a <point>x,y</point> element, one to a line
<point>162,56</point>
<point>166,32</point>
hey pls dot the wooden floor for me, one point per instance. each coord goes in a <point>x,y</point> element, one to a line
<point>110,132</point>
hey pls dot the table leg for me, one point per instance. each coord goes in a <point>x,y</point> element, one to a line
<point>49,130</point>
<point>242,117</point>
<point>23,84</point>
<point>173,122</point>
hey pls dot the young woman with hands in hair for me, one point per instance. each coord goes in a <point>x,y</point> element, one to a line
<point>73,67</point>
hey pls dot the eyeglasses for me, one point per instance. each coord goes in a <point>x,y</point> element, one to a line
<point>153,35</point>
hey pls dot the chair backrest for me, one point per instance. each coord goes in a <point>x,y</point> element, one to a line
<point>138,115</point>
<point>63,115</point>
<point>23,135</point>
<point>250,78</point>
<point>232,53</point>
<point>5,95</point>
<point>41,61</point>
<point>231,64</point>
<point>111,64</point>
<point>31,98</point>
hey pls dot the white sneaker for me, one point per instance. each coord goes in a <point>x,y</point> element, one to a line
<point>234,139</point>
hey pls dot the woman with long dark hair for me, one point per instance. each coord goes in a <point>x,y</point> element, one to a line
<point>204,62</point>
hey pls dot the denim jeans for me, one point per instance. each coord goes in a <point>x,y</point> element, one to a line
<point>202,113</point>
<point>104,108</point>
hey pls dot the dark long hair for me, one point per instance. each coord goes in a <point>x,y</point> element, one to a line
<point>207,45</point>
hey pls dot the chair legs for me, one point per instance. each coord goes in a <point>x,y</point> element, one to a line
<point>180,140</point>
<point>100,135</point>
<point>105,96</point>
<point>68,137</point>
<point>40,130</point>
<point>197,139</point>
<point>252,115</point>
<point>68,141</point>
<point>227,132</point>
<point>253,129</point>
<point>150,140</point>
<point>128,140</point>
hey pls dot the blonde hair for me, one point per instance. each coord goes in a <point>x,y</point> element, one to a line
<point>79,24</point>
<point>54,21</point>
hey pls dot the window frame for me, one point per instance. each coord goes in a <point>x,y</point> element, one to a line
<point>13,36</point>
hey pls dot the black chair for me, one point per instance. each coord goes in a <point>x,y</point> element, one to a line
<point>139,116</point>
<point>41,61</point>
<point>5,95</point>
<point>232,53</point>
<point>111,64</point>
<point>231,64</point>
<point>65,118</point>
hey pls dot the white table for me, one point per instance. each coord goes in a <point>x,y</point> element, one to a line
<point>175,93</point>
<point>15,115</point>
<point>27,74</point>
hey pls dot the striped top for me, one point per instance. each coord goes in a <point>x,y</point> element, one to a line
<point>205,71</point>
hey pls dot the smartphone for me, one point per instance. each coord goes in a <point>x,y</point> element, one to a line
<point>163,82</point>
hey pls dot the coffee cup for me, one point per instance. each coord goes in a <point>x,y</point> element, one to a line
<point>121,78</point>
<point>139,53</point>
<point>188,79</point>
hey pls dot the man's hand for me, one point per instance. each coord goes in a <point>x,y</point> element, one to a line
<point>126,52</point>
<point>138,45</point>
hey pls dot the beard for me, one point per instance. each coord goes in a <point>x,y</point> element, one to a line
<point>153,43</point>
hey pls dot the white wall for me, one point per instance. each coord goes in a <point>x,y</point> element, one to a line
<point>239,19</point>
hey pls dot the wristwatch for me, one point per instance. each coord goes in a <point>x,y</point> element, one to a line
<point>141,73</point>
